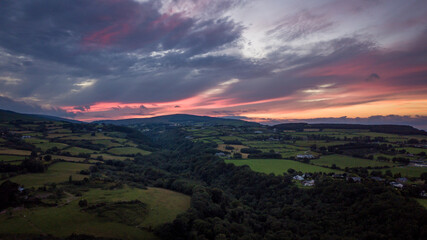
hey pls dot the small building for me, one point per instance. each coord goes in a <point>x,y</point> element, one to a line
<point>258,132</point>
<point>378,179</point>
<point>401,180</point>
<point>338,176</point>
<point>26,137</point>
<point>354,179</point>
<point>396,185</point>
<point>305,156</point>
<point>220,154</point>
<point>308,183</point>
<point>298,178</point>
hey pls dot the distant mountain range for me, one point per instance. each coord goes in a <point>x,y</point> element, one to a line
<point>188,120</point>
<point>182,119</point>
<point>393,129</point>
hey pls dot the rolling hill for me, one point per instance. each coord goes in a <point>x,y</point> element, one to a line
<point>6,115</point>
<point>181,119</point>
<point>393,129</point>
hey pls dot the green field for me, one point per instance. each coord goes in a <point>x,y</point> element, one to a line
<point>47,145</point>
<point>413,150</point>
<point>407,171</point>
<point>163,206</point>
<point>56,173</point>
<point>8,151</point>
<point>110,157</point>
<point>78,150</point>
<point>279,166</point>
<point>107,143</point>
<point>35,140</point>
<point>127,151</point>
<point>422,202</point>
<point>343,161</point>
<point>88,136</point>
<point>8,158</point>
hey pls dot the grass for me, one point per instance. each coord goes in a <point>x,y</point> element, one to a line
<point>47,145</point>
<point>59,130</point>
<point>56,173</point>
<point>35,140</point>
<point>407,171</point>
<point>343,161</point>
<point>318,143</point>
<point>236,149</point>
<point>8,151</point>
<point>163,206</point>
<point>66,220</point>
<point>413,150</point>
<point>279,166</point>
<point>110,157</point>
<point>67,158</point>
<point>127,151</point>
<point>107,143</point>
<point>88,136</point>
<point>60,135</point>
<point>231,138</point>
<point>422,202</point>
<point>9,158</point>
<point>77,150</point>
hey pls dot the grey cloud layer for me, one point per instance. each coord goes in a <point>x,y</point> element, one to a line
<point>70,41</point>
<point>78,52</point>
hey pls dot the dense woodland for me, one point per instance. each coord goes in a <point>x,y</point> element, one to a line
<point>230,202</point>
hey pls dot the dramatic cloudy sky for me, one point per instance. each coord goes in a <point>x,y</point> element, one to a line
<point>252,59</point>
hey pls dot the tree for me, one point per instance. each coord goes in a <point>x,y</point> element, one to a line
<point>47,158</point>
<point>33,154</point>
<point>83,203</point>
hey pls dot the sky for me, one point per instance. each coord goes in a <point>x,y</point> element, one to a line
<point>259,60</point>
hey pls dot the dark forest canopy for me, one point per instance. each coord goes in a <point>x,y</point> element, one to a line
<point>230,202</point>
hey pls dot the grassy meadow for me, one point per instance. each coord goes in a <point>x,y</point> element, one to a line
<point>162,206</point>
<point>279,166</point>
<point>56,173</point>
<point>343,161</point>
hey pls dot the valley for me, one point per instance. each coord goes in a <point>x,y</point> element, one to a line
<point>147,180</point>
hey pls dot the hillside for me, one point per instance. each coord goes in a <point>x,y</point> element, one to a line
<point>154,181</point>
<point>181,119</point>
<point>6,115</point>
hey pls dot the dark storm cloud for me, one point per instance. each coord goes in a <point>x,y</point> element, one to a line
<point>23,107</point>
<point>372,77</point>
<point>118,43</point>
<point>82,52</point>
<point>82,108</point>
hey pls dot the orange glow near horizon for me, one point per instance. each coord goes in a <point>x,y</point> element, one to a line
<point>398,107</point>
